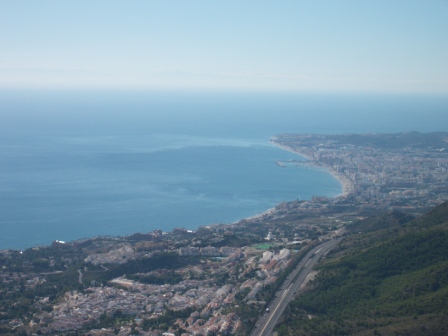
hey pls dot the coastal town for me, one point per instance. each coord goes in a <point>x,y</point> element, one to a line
<point>218,279</point>
<point>383,171</point>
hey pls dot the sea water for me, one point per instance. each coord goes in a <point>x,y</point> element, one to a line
<point>82,164</point>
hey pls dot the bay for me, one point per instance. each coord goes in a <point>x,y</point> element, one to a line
<point>81,164</point>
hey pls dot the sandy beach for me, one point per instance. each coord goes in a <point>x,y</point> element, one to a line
<point>347,184</point>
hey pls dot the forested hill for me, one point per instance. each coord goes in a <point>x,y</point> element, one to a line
<point>386,220</point>
<point>434,219</point>
<point>388,278</point>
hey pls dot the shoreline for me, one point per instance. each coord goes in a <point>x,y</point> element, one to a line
<point>346,183</point>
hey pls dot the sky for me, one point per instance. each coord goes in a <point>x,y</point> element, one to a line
<point>320,46</point>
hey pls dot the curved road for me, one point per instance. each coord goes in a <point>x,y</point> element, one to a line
<point>285,294</point>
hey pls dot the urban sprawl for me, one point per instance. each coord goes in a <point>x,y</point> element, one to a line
<point>218,279</point>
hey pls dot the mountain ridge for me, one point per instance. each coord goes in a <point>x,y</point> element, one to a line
<point>388,281</point>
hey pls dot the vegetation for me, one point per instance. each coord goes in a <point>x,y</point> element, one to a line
<point>390,281</point>
<point>168,277</point>
<point>264,246</point>
<point>388,220</point>
<point>388,276</point>
<point>164,260</point>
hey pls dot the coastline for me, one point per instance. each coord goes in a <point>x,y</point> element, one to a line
<point>347,187</point>
<point>346,183</point>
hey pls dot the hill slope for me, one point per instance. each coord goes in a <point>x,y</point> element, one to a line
<point>390,280</point>
<point>383,221</point>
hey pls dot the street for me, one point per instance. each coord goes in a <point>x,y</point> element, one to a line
<point>266,323</point>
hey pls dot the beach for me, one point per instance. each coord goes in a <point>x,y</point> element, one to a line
<point>347,183</point>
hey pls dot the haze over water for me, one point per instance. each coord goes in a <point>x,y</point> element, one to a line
<point>80,164</point>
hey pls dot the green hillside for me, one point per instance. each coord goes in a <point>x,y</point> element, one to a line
<point>388,281</point>
<point>387,220</point>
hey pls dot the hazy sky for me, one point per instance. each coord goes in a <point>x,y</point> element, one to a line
<point>333,45</point>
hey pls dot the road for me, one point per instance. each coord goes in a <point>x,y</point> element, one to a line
<point>80,276</point>
<point>285,294</point>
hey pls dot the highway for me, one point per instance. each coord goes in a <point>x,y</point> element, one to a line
<point>285,294</point>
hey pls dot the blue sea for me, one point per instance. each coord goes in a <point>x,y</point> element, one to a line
<point>81,164</point>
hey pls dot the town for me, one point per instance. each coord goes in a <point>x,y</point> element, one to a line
<point>218,279</point>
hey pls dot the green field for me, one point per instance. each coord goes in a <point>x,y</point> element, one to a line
<point>264,246</point>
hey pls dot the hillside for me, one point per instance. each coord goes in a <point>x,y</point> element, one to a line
<point>389,279</point>
<point>387,220</point>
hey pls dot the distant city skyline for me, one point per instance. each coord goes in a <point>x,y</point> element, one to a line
<point>318,46</point>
